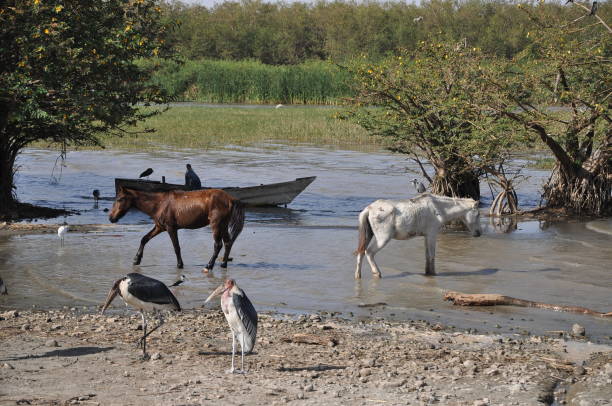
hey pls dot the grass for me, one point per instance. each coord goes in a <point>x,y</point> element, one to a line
<point>253,82</point>
<point>203,128</point>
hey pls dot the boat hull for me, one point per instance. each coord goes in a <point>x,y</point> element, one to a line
<point>273,194</point>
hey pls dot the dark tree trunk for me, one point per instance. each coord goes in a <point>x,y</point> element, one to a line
<point>464,184</point>
<point>7,172</point>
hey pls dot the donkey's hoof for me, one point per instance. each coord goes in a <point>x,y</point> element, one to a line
<point>179,266</point>
<point>136,261</point>
<point>223,265</point>
<point>378,275</point>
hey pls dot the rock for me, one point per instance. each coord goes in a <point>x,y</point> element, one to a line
<point>51,343</point>
<point>56,327</point>
<point>156,356</point>
<point>608,369</point>
<point>25,327</point>
<point>309,388</point>
<point>365,372</point>
<point>578,330</point>
<point>481,402</point>
<point>585,402</point>
<point>7,366</point>
<point>468,363</point>
<point>10,314</point>
<point>579,371</point>
<point>392,384</point>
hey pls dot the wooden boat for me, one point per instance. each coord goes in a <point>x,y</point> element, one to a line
<point>272,194</point>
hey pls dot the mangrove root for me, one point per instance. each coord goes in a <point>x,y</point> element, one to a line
<point>488,299</point>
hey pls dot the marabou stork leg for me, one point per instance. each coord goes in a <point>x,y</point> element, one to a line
<point>231,371</point>
<point>161,322</point>
<point>242,348</point>
<point>144,336</point>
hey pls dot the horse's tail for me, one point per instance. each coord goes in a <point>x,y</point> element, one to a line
<point>365,232</point>
<point>236,222</point>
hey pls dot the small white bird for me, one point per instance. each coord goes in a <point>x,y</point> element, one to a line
<point>61,232</point>
<point>278,106</point>
<point>417,19</point>
<point>419,186</point>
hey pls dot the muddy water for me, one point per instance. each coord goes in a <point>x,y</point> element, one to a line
<point>299,259</point>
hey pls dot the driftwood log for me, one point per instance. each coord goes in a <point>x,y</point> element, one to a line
<point>488,299</point>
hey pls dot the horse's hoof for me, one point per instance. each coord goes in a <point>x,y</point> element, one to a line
<point>136,261</point>
<point>179,266</point>
<point>230,259</point>
<point>357,277</point>
<point>378,275</point>
<point>223,265</point>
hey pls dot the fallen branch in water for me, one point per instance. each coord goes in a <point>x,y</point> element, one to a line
<point>489,299</point>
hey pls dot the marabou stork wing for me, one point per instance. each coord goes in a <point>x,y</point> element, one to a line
<point>247,314</point>
<point>151,290</point>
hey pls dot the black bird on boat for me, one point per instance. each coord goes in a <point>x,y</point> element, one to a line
<point>146,173</point>
<point>143,293</point>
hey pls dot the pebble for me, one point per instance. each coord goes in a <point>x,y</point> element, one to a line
<point>578,330</point>
<point>10,314</point>
<point>156,356</point>
<point>51,343</point>
<point>7,365</point>
<point>365,372</point>
<point>481,402</point>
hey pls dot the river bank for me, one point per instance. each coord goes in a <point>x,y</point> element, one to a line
<point>75,356</point>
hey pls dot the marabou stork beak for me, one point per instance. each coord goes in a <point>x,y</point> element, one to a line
<point>217,292</point>
<point>111,295</point>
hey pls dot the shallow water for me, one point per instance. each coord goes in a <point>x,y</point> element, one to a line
<point>298,259</point>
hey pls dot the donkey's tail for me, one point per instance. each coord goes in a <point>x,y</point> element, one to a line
<point>236,222</point>
<point>365,232</point>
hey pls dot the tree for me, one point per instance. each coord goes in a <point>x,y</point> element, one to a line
<point>423,101</point>
<point>568,66</point>
<point>68,73</point>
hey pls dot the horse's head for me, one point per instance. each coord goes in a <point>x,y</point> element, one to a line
<point>123,202</point>
<point>471,219</point>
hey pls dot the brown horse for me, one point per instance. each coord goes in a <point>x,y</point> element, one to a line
<point>178,209</point>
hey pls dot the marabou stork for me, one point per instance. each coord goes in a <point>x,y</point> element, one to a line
<point>240,315</point>
<point>61,232</point>
<point>419,186</point>
<point>143,293</point>
<point>147,172</point>
<point>3,288</point>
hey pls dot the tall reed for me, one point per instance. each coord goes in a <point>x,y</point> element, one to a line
<point>250,81</point>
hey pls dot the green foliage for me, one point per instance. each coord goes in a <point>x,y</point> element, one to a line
<point>253,82</point>
<point>428,108</point>
<point>295,32</point>
<point>67,72</point>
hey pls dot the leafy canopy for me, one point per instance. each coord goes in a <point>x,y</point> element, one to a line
<point>424,101</point>
<point>68,67</point>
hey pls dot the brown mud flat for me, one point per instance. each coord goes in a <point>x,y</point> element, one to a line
<point>27,211</point>
<point>60,357</point>
<point>28,228</point>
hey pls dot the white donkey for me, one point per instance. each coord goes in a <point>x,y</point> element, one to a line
<point>403,219</point>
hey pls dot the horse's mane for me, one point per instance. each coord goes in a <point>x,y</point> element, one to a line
<point>444,198</point>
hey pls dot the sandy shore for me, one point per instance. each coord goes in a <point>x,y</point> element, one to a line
<point>74,356</point>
